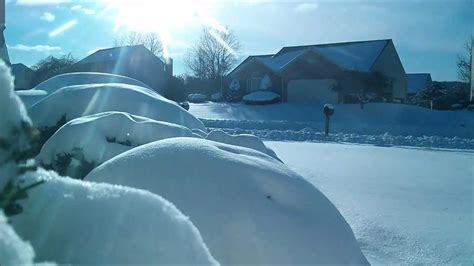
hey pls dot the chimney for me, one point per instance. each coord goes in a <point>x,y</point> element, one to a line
<point>169,67</point>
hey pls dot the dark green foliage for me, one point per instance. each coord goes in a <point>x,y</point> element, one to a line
<point>52,66</point>
<point>47,132</point>
<point>18,149</point>
<point>443,95</point>
<point>12,193</point>
<point>71,164</point>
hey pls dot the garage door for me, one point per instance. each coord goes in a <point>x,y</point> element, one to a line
<point>312,90</point>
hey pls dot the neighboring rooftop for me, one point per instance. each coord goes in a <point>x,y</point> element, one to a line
<point>111,54</point>
<point>416,82</point>
<point>357,56</point>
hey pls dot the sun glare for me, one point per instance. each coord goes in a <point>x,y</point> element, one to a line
<point>162,17</point>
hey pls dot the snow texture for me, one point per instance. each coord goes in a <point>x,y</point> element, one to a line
<point>242,140</point>
<point>249,207</point>
<point>12,110</point>
<point>70,221</point>
<point>13,250</point>
<point>81,100</point>
<point>261,97</point>
<point>407,206</point>
<point>105,135</point>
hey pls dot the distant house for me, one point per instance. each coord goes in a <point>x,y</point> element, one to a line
<point>132,61</point>
<point>307,73</point>
<point>417,82</point>
<point>23,76</point>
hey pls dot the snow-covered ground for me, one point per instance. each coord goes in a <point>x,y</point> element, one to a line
<point>405,205</point>
<point>380,124</point>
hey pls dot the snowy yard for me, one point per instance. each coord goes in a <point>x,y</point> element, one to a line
<point>405,205</point>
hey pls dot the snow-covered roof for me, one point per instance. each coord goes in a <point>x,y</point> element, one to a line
<point>111,54</point>
<point>356,56</point>
<point>417,82</point>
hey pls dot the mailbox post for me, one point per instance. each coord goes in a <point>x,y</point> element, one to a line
<point>328,111</point>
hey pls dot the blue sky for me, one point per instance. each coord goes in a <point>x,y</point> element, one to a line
<point>428,35</point>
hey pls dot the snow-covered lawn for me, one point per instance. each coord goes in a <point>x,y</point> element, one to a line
<point>405,205</point>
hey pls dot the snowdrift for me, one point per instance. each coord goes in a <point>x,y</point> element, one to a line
<point>243,140</point>
<point>249,207</point>
<point>96,138</point>
<point>70,221</point>
<point>81,100</point>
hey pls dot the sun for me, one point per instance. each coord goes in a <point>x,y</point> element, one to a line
<point>162,17</point>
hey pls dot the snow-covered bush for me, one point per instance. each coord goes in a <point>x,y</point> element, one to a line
<point>81,78</point>
<point>30,97</point>
<point>217,97</point>
<point>261,97</point>
<point>197,98</point>
<point>249,207</point>
<point>265,84</point>
<point>72,221</point>
<point>242,140</point>
<point>85,142</point>
<point>75,101</point>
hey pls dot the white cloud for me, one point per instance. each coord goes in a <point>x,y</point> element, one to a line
<point>306,7</point>
<point>48,16</point>
<point>66,26</point>
<point>35,48</point>
<point>84,10</point>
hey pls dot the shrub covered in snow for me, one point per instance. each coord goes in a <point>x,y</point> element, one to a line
<point>197,98</point>
<point>71,221</point>
<point>217,97</point>
<point>249,207</point>
<point>85,142</point>
<point>242,140</point>
<point>76,101</point>
<point>261,97</point>
<point>81,78</point>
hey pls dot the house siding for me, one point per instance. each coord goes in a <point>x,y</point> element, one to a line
<point>390,65</point>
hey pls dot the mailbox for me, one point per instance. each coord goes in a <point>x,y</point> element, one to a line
<point>328,110</point>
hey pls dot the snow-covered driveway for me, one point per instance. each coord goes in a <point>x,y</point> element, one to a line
<point>405,205</point>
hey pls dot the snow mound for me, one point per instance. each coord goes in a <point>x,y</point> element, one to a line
<point>242,140</point>
<point>13,250</point>
<point>249,208</point>
<point>81,78</point>
<point>96,138</point>
<point>81,100</point>
<point>71,221</point>
<point>261,97</point>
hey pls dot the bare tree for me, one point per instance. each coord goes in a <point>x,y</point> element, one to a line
<point>150,40</point>
<point>464,62</point>
<point>213,55</point>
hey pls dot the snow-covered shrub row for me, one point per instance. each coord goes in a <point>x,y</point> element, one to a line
<point>243,140</point>
<point>85,142</point>
<point>249,207</point>
<point>72,221</point>
<point>76,101</point>
<point>197,98</point>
